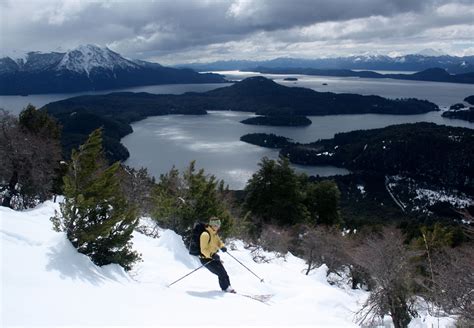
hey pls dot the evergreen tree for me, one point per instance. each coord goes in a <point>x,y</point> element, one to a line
<point>39,122</point>
<point>322,201</point>
<point>95,215</point>
<point>275,193</point>
<point>182,200</point>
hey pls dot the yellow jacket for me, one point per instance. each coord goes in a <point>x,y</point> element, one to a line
<point>210,243</point>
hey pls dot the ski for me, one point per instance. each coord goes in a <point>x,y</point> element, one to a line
<point>261,298</point>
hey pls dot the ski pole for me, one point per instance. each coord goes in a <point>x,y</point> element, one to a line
<point>203,265</point>
<point>261,280</point>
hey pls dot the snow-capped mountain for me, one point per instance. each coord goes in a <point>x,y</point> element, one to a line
<point>86,67</point>
<point>30,62</point>
<point>82,59</point>
<point>414,62</point>
<point>85,58</point>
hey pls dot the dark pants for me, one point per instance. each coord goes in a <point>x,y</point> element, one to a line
<point>217,268</point>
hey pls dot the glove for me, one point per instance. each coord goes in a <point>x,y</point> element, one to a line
<point>224,249</point>
<point>216,257</point>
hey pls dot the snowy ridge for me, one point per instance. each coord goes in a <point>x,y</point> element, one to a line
<point>87,57</point>
<point>47,283</point>
<point>82,59</point>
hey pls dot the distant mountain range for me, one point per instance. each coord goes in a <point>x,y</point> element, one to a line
<point>85,68</point>
<point>417,62</point>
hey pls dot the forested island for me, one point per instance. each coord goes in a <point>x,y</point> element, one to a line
<point>460,111</point>
<point>116,111</point>
<point>466,114</point>
<point>266,140</point>
<point>280,120</point>
<point>469,99</point>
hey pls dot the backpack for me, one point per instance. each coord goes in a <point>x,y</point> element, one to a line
<point>195,242</point>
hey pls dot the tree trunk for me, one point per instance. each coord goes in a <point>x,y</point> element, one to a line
<point>399,312</point>
<point>310,262</point>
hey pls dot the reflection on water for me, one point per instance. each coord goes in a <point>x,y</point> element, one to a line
<point>159,143</point>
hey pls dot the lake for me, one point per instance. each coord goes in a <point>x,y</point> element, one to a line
<point>160,142</point>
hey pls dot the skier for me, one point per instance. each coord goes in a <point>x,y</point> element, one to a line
<point>210,244</point>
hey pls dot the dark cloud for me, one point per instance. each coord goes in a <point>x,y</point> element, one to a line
<point>211,28</point>
<point>279,14</point>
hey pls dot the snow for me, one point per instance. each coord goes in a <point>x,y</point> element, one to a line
<point>325,154</point>
<point>432,196</point>
<point>45,282</point>
<point>18,56</point>
<point>361,189</point>
<point>84,58</point>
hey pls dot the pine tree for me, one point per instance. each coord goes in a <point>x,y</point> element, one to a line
<point>180,201</point>
<point>322,201</point>
<point>275,193</point>
<point>39,122</point>
<point>95,215</point>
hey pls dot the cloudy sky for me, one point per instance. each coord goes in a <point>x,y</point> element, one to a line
<point>179,31</point>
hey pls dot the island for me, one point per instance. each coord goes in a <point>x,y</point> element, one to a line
<point>457,106</point>
<point>279,120</point>
<point>465,114</point>
<point>469,100</point>
<point>460,111</point>
<point>266,140</point>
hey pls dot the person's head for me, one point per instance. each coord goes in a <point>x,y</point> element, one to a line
<point>215,223</point>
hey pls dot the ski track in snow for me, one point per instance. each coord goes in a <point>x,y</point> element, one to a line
<point>45,282</point>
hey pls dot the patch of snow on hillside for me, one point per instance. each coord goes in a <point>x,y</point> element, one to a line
<point>433,197</point>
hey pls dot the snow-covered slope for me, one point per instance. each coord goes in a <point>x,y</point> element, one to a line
<point>45,282</point>
<point>87,57</point>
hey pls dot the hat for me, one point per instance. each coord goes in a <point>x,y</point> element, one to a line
<point>214,221</point>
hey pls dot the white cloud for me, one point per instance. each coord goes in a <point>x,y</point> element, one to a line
<point>456,10</point>
<point>171,31</point>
